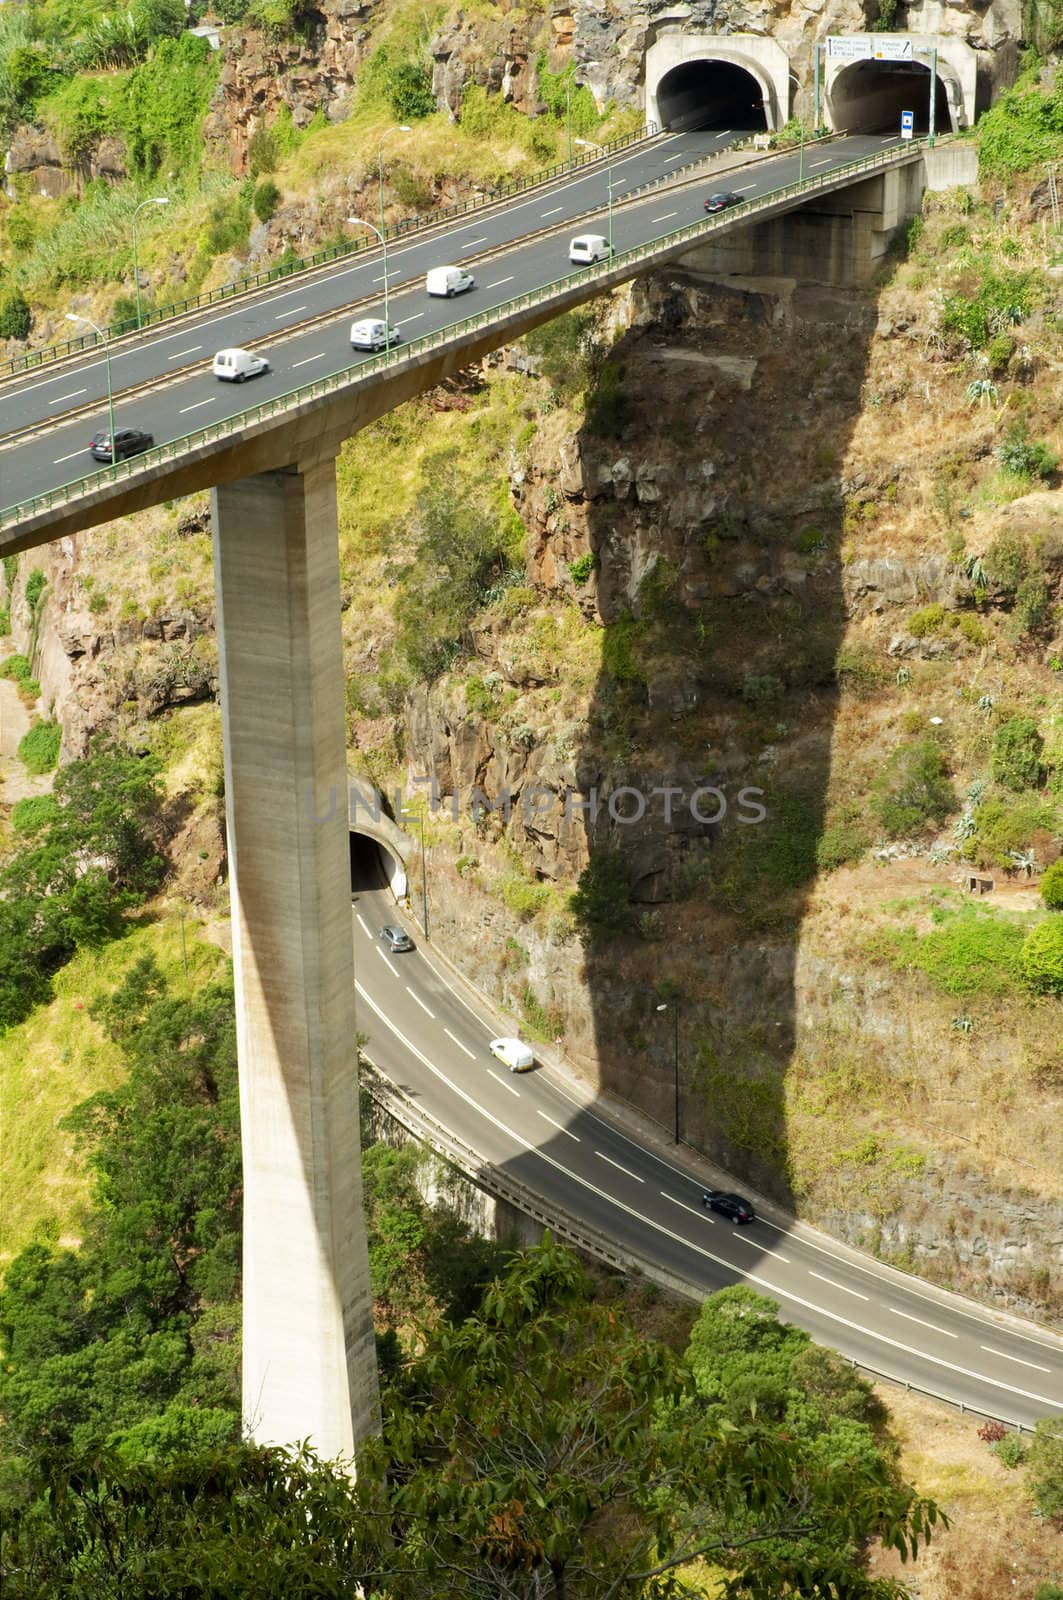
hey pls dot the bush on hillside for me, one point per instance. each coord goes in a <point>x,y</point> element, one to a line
<point>15,316</point>
<point>601,903</point>
<point>1003,827</point>
<point>1051,886</point>
<point>913,790</point>
<point>39,748</point>
<point>265,200</point>
<point>1041,957</point>
<point>1017,750</point>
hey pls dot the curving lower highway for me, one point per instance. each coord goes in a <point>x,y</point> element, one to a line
<point>429,1039</point>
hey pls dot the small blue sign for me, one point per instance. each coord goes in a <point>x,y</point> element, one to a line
<point>907,124</point>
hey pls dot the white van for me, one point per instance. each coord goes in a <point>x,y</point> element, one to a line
<point>589,247</point>
<point>236,365</point>
<point>448,281</point>
<point>513,1053</point>
<point>370,334</point>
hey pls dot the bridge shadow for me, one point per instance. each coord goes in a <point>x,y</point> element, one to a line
<point>714,484</point>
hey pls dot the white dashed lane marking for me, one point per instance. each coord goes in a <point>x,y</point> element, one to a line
<point>503,1082</point>
<point>420,1002</point>
<point>626,1170</point>
<point>835,1285</point>
<point>923,1324</point>
<point>1018,1359</point>
<point>566,1131</point>
<point>459,1044</point>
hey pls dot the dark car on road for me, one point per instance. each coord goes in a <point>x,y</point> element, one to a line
<point>720,202</point>
<point>396,938</point>
<point>127,442</point>
<point>734,1206</point>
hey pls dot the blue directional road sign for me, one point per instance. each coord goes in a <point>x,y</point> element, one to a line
<point>907,124</point>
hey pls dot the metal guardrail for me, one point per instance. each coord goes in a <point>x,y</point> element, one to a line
<point>453,334</point>
<point>421,1125</point>
<point>286,269</point>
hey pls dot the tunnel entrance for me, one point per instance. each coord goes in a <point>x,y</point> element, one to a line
<point>711,94</point>
<point>374,866</point>
<point>869,96</point>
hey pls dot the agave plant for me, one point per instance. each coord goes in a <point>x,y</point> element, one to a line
<point>982,391</point>
<point>1023,861</point>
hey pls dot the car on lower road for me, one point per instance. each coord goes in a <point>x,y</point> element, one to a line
<point>396,939</point>
<point>720,202</point>
<point>513,1053</point>
<point>734,1206</point>
<point>127,442</point>
<point>372,334</point>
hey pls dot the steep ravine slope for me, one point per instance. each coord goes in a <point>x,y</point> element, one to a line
<point>748,565</point>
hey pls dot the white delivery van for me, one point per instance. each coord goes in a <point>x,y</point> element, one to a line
<point>513,1053</point>
<point>370,334</point>
<point>236,365</point>
<point>448,280</point>
<point>589,247</point>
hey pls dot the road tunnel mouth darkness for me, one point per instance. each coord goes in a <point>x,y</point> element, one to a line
<point>869,96</point>
<point>711,94</point>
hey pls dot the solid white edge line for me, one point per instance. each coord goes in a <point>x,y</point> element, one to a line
<point>619,1168</point>
<point>420,1002</point>
<point>554,1124</point>
<point>697,1249</point>
<point>491,1073</point>
<point>842,1286</point>
<point>471,1054</point>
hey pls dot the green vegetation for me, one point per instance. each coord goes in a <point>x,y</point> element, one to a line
<point>39,748</point>
<point>157,1364</point>
<point>971,951</point>
<point>1044,1469</point>
<point>1024,127</point>
<point>31,814</point>
<point>1041,957</point>
<point>1025,457</point>
<point>1051,886</point>
<point>601,902</point>
<point>543,1438</point>
<point>18,668</point>
<point>1017,750</point>
<point>566,101</point>
<point>580,569</point>
<point>1004,297</point>
<point>929,620</point>
<point>913,791</point>
<point>52,904</point>
<point>15,316</point>
<point>1004,828</point>
<point>265,200</point>
<point>466,552</point>
<point>842,842</point>
<point>761,865</point>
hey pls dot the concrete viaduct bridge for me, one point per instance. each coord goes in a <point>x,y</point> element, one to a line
<point>309,1359</point>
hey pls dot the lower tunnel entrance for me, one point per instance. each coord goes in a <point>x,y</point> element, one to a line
<point>869,96</point>
<point>711,94</point>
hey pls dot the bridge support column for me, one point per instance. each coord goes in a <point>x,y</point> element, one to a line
<point>309,1366</point>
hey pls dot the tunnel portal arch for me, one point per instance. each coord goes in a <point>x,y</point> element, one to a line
<point>868,95</point>
<point>378,846</point>
<point>699,80</point>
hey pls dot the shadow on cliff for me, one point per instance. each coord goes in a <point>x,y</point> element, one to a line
<point>712,464</point>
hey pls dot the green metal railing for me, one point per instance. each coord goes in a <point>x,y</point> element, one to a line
<point>455,333</point>
<point>285,269</point>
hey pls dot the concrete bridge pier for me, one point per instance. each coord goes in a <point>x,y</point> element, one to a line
<point>309,1362</point>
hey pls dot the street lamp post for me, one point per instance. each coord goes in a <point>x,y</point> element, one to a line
<point>401,128</point>
<point>409,817</point>
<point>157,200</point>
<point>609,186</point>
<point>674,1007</point>
<point>360,222</point>
<point>72,316</point>
<point>568,117</point>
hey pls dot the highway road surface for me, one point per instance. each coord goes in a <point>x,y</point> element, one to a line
<point>162,380</point>
<point>429,1038</point>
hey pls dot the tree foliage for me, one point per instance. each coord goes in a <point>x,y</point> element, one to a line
<point>1052,886</point>
<point>543,1448</point>
<point>101,1343</point>
<point>913,791</point>
<point>1041,956</point>
<point>1017,750</point>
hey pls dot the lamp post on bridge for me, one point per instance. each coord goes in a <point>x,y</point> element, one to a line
<point>72,316</point>
<point>156,200</point>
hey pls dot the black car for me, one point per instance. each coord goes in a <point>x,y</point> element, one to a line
<point>396,938</point>
<point>728,1205</point>
<point>720,202</point>
<point>127,442</point>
